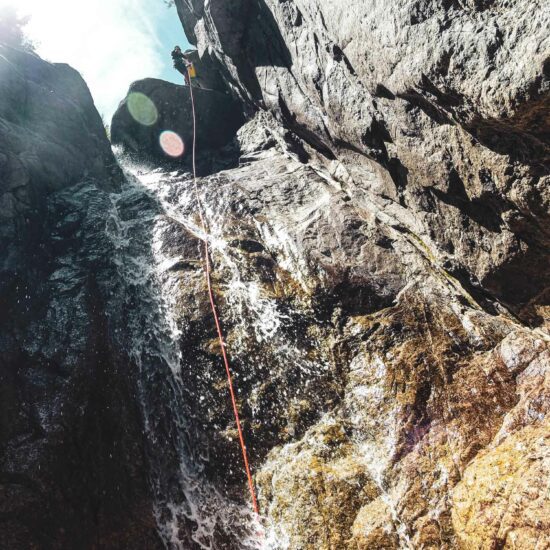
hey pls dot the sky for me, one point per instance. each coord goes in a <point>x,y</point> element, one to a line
<point>110,42</point>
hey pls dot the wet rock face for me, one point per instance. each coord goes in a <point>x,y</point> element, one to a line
<point>371,383</point>
<point>71,450</point>
<point>380,258</point>
<point>392,208</point>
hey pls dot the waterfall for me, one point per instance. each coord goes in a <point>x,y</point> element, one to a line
<point>189,510</point>
<point>154,227</point>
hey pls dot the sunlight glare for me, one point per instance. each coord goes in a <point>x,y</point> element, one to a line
<point>111,42</point>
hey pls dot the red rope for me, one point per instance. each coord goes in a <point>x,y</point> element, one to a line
<point>208,275</point>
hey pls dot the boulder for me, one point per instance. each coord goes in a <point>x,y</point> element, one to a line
<point>156,119</point>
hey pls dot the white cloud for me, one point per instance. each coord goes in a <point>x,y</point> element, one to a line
<point>111,42</point>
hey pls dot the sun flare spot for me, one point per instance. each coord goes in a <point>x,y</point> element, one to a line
<point>142,109</point>
<point>172,144</point>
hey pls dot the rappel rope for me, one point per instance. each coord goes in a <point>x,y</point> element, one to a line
<point>207,270</point>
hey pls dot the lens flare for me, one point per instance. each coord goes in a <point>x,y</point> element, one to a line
<point>142,109</point>
<point>171,143</point>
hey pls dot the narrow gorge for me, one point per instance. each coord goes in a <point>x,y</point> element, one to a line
<point>375,178</point>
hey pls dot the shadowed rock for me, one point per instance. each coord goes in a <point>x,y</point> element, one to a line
<point>72,464</point>
<point>154,106</point>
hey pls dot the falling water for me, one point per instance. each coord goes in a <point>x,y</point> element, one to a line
<point>187,507</point>
<point>190,510</point>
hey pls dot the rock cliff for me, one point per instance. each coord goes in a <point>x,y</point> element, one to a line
<point>385,405</point>
<point>389,221</point>
<point>71,451</point>
<point>378,206</point>
<point>443,104</point>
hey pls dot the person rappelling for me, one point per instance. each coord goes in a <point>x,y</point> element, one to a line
<point>182,64</point>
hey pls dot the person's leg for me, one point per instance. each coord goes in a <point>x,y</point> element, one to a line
<point>182,70</point>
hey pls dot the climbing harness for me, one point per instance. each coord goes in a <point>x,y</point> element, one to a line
<point>208,275</point>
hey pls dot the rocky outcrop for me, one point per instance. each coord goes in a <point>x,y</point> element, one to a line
<point>73,472</point>
<point>372,383</point>
<point>380,249</point>
<point>381,262</point>
<point>156,119</point>
<point>444,105</point>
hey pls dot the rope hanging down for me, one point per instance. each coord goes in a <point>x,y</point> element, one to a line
<point>207,270</point>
